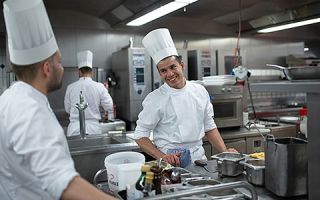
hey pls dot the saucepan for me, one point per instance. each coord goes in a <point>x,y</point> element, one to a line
<point>299,72</point>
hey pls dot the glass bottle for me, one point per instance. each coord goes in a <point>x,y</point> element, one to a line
<point>157,178</point>
<point>148,187</point>
<point>141,181</point>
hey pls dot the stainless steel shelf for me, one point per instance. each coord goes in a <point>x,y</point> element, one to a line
<point>287,86</point>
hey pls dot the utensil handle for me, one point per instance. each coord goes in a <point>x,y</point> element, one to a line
<point>276,66</point>
<point>101,171</point>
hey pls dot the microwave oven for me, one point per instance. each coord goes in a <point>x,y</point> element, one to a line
<point>227,101</point>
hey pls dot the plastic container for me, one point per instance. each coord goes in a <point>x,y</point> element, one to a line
<point>123,168</point>
<point>286,166</point>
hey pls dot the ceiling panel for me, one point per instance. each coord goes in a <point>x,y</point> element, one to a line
<point>223,15</point>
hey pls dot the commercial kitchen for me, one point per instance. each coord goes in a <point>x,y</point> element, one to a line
<point>264,87</point>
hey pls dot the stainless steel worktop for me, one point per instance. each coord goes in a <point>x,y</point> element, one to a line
<point>263,194</point>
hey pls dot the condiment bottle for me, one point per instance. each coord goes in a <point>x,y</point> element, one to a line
<point>141,181</point>
<point>148,187</point>
<point>157,178</point>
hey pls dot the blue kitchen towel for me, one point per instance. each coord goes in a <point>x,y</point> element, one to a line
<point>185,157</point>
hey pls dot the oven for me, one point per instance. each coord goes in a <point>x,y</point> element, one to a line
<point>227,105</point>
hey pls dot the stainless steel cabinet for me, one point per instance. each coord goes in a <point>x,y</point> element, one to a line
<point>208,149</point>
<point>254,144</point>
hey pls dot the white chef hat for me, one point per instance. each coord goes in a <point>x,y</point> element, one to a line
<point>84,59</point>
<point>30,35</point>
<point>159,44</point>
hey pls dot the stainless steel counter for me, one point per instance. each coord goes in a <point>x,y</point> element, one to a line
<point>263,194</point>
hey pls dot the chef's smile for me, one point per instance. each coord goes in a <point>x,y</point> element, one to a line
<point>171,72</point>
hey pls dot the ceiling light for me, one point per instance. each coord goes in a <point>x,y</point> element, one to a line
<point>159,12</point>
<point>288,26</point>
<point>306,49</point>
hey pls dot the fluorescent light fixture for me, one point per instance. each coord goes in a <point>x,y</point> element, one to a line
<point>159,12</point>
<point>306,49</point>
<point>288,26</point>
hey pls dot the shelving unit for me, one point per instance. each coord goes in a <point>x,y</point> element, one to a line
<point>312,90</point>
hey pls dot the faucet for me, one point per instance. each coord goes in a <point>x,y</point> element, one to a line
<point>81,107</point>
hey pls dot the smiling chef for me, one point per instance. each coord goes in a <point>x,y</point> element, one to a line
<point>35,162</point>
<point>179,113</point>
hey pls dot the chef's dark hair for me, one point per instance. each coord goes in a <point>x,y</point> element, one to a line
<point>28,73</point>
<point>178,58</point>
<point>85,70</point>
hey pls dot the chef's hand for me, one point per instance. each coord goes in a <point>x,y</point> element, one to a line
<point>172,159</point>
<point>232,150</point>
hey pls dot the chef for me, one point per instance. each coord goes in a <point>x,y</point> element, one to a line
<point>179,113</point>
<point>94,93</point>
<point>34,156</point>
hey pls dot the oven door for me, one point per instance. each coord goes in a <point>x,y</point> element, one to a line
<point>227,110</point>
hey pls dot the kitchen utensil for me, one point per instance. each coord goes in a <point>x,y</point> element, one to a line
<point>122,168</point>
<point>229,163</point>
<point>203,163</point>
<point>299,72</point>
<point>255,170</point>
<point>286,166</point>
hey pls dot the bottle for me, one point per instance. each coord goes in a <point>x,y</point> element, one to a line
<point>136,191</point>
<point>141,181</point>
<point>303,121</point>
<point>157,178</point>
<point>148,187</point>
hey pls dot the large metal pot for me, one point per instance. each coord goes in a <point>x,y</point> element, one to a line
<point>299,72</point>
<point>286,166</point>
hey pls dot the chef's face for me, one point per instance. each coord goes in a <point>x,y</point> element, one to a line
<point>171,72</point>
<point>55,81</point>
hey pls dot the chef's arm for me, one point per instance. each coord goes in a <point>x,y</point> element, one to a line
<point>79,189</point>
<point>216,140</point>
<point>148,147</point>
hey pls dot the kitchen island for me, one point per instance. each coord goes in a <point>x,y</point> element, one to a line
<point>261,191</point>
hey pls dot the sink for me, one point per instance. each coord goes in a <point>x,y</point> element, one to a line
<point>92,141</point>
<point>89,154</point>
<point>222,192</point>
<point>188,186</point>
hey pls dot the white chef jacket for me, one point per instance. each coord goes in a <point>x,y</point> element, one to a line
<point>177,117</point>
<point>35,162</point>
<point>95,95</point>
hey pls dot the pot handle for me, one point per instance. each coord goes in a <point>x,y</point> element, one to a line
<point>276,66</point>
<point>101,171</point>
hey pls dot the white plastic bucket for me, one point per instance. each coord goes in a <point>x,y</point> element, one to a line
<point>123,168</point>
